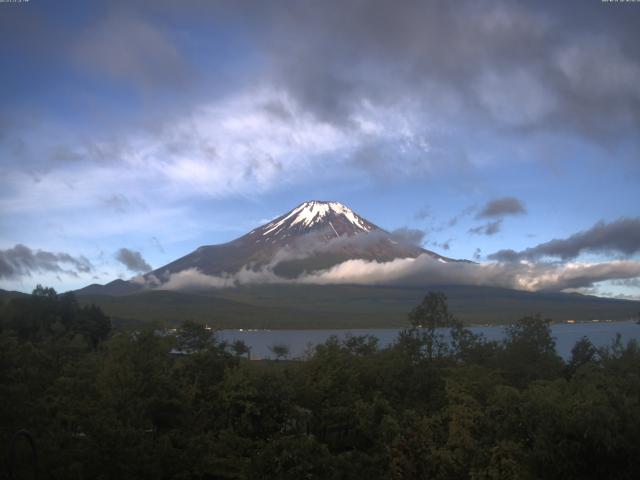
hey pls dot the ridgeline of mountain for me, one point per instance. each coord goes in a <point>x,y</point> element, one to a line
<point>315,235</point>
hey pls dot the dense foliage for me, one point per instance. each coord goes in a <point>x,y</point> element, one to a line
<point>104,404</point>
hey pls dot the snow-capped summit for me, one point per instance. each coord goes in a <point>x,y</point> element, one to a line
<point>334,217</point>
<point>310,213</point>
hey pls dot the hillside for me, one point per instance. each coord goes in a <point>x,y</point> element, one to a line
<point>314,306</point>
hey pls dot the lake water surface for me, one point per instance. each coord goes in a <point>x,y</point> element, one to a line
<point>300,341</point>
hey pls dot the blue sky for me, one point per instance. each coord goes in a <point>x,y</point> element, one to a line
<point>162,126</point>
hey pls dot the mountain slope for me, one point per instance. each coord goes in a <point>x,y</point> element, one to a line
<point>313,236</point>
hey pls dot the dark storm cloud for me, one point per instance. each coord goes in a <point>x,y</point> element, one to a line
<point>489,228</point>
<point>515,64</point>
<point>132,260</point>
<point>503,66</point>
<point>621,237</point>
<point>129,47</point>
<point>501,207</point>
<point>21,261</point>
<point>519,65</point>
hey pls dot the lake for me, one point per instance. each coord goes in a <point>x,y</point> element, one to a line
<point>300,341</point>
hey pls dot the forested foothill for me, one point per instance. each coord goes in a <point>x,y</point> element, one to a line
<point>101,403</point>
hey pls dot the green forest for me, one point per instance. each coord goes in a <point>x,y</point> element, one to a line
<point>105,403</point>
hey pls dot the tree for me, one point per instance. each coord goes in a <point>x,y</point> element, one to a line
<point>293,457</point>
<point>239,347</point>
<point>193,337</point>
<point>582,353</point>
<point>93,324</point>
<point>361,344</point>
<point>45,315</point>
<point>530,351</point>
<point>532,333</point>
<point>45,292</point>
<point>280,350</point>
<point>432,313</point>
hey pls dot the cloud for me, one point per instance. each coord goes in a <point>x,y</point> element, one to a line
<point>398,112</point>
<point>496,209</point>
<point>157,244</point>
<point>501,207</point>
<point>133,49</point>
<point>132,260</point>
<point>621,237</point>
<point>119,203</point>
<point>511,65</point>
<point>629,282</point>
<point>574,275</point>
<point>421,271</point>
<point>423,214</point>
<point>624,296</point>
<point>21,261</point>
<point>515,97</point>
<point>515,64</point>
<point>426,271</point>
<point>443,245</point>
<point>192,278</point>
<point>412,236</point>
<point>489,228</point>
<point>316,244</point>
<point>453,221</point>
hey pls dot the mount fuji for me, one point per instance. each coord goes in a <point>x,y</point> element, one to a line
<point>314,236</point>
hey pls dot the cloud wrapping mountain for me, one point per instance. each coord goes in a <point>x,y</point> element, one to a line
<point>421,271</point>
